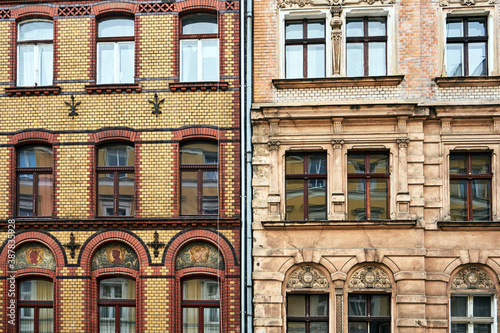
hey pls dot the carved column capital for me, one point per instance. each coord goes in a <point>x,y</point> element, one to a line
<point>273,145</point>
<point>336,24</point>
<point>337,143</point>
<point>446,125</point>
<point>403,142</point>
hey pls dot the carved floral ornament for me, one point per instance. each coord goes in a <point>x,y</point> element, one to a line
<point>307,277</point>
<point>370,277</point>
<point>472,277</point>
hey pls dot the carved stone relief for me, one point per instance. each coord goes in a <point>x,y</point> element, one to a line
<point>472,277</point>
<point>307,277</point>
<point>295,3</point>
<point>336,24</point>
<point>370,277</point>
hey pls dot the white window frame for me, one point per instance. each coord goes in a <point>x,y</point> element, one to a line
<point>199,74</point>
<point>470,321</point>
<point>116,62</point>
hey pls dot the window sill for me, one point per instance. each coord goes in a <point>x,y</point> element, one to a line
<point>201,86</point>
<point>113,88</point>
<point>340,224</point>
<point>468,225</point>
<point>333,82</point>
<point>467,81</point>
<point>33,91</point>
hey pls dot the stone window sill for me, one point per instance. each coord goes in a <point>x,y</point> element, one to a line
<point>200,86</point>
<point>334,82</point>
<point>113,88</point>
<point>469,225</point>
<point>467,81</point>
<point>338,224</point>
<point>33,91</point>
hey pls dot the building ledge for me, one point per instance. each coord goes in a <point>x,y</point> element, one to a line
<point>334,82</point>
<point>33,91</point>
<point>339,224</point>
<point>467,81</point>
<point>468,225</point>
<point>200,86</point>
<point>113,88</point>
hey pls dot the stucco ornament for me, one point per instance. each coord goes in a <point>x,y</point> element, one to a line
<point>370,277</point>
<point>472,277</point>
<point>34,255</point>
<point>307,277</point>
<point>468,3</point>
<point>295,3</point>
<point>115,255</point>
<point>199,254</point>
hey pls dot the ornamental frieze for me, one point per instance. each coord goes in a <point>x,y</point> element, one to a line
<point>370,277</point>
<point>307,277</point>
<point>115,255</point>
<point>199,254</point>
<point>34,255</point>
<point>472,277</point>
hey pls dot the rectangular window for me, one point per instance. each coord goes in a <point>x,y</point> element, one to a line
<point>305,48</point>
<point>368,185</point>
<point>470,186</point>
<point>366,43</point>
<point>466,46</point>
<point>307,313</point>
<point>471,314</point>
<point>305,186</point>
<point>369,313</point>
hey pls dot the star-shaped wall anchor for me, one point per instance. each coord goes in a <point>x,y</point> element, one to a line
<point>73,106</point>
<point>156,105</point>
<point>156,244</point>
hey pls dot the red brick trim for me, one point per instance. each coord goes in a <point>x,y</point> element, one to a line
<point>32,137</point>
<point>193,86</point>
<point>114,7</point>
<point>199,5</point>
<point>113,88</point>
<point>196,133</point>
<point>33,11</point>
<point>114,135</point>
<point>32,91</point>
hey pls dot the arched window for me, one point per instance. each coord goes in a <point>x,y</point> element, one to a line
<point>117,305</point>
<point>35,304</point>
<point>199,178</point>
<point>34,181</point>
<point>115,180</point>
<point>34,53</point>
<point>115,51</point>
<point>199,60</point>
<point>200,306</point>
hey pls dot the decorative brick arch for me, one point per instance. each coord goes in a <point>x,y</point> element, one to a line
<point>114,8</point>
<point>33,11</point>
<point>203,133</point>
<point>184,7</point>
<point>30,137</point>
<point>115,134</point>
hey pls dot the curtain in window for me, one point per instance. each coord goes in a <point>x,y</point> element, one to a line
<point>189,60</point>
<point>26,65</point>
<point>105,63</point>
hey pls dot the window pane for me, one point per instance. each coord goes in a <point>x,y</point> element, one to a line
<point>480,163</point>
<point>294,164</point>
<point>355,59</point>
<point>189,60</point>
<point>211,320</point>
<point>296,327</point>
<point>26,66</point>
<point>454,28</point>
<point>358,327</point>
<point>200,289</point>
<point>35,30</point>
<point>294,199</point>
<point>26,320</point>
<point>477,59</point>
<point>116,28</point>
<point>189,191</point>
<point>105,188</point>
<point>482,306</point>
<point>459,306</point>
<point>481,200</point>
<point>199,24</point>
<point>294,61</point>
<point>477,27</point>
<point>199,153</point>
<point>45,61</point>
<point>317,199</point>
<point>316,60</point>
<point>376,27</point>
<point>379,162</point>
<point>380,306</point>
<point>378,199</point>
<point>127,319</point>
<point>458,164</point>
<point>294,30</point>
<point>458,328</point>
<point>482,328</point>
<point>190,320</point>
<point>318,305</point>
<point>126,194</point>
<point>354,28</point>
<point>356,200</point>
<point>316,164</point>
<point>316,29</point>
<point>105,63</point>
<point>296,305</point>
<point>321,327</point>
<point>31,157</point>
<point>356,163</point>
<point>115,156</point>
<point>454,59</point>
<point>44,195</point>
<point>380,326</point>
<point>357,305</point>
<point>107,319</point>
<point>35,290</point>
<point>117,288</point>
<point>126,65</point>
<point>210,192</point>
<point>376,59</point>
<point>25,199</point>
<point>458,200</point>
<point>210,61</point>
<point>45,320</point>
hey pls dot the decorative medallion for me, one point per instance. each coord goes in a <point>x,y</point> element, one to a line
<point>307,277</point>
<point>295,3</point>
<point>115,255</point>
<point>199,254</point>
<point>472,277</point>
<point>34,255</point>
<point>370,277</point>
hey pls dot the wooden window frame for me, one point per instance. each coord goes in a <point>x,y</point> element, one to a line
<point>368,318</point>
<point>37,305</point>
<point>307,319</point>
<point>116,303</point>
<point>201,305</point>
<point>470,320</point>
